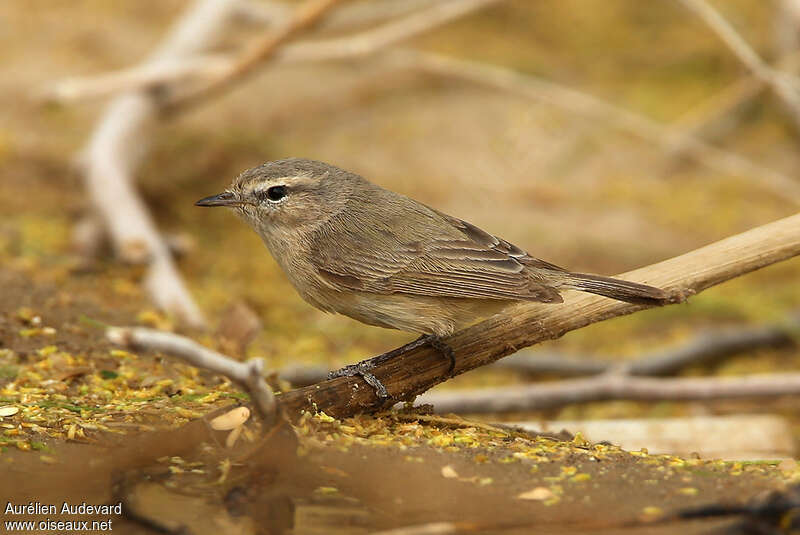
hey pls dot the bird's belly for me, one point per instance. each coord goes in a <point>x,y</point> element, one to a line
<point>418,314</point>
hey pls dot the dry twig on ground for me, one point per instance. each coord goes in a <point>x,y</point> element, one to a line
<point>703,349</point>
<point>410,374</point>
<point>611,386</point>
<point>247,374</point>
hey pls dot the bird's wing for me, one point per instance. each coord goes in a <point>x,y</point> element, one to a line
<point>439,256</point>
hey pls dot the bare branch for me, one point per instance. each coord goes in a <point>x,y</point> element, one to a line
<point>729,99</point>
<point>573,101</point>
<point>148,77</point>
<point>391,33</point>
<point>247,374</point>
<point>611,387</point>
<point>303,18</point>
<point>363,13</point>
<point>784,85</point>
<point>416,371</point>
<point>703,349</point>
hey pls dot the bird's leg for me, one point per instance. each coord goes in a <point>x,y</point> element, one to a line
<point>364,368</point>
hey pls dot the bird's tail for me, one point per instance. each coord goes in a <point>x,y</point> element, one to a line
<point>630,292</point>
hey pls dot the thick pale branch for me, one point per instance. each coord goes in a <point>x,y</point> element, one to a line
<point>116,148</point>
<point>417,371</point>
<point>610,387</point>
<point>247,374</point>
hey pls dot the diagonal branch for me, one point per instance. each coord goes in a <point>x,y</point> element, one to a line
<point>304,18</point>
<point>409,375</point>
<point>783,84</point>
<point>574,101</point>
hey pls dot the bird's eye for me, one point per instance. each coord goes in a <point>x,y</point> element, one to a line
<point>274,194</point>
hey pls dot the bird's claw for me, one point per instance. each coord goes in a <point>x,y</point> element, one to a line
<point>363,370</point>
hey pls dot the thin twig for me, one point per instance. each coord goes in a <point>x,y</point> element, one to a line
<point>574,101</point>
<point>734,96</point>
<point>303,18</point>
<point>247,374</point>
<point>370,41</point>
<point>358,14</point>
<point>784,85</point>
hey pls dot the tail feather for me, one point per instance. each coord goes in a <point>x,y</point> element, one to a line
<point>630,292</point>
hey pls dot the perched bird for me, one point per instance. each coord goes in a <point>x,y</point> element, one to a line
<point>351,247</point>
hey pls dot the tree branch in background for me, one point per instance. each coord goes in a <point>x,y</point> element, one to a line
<point>348,16</point>
<point>248,374</point>
<point>303,18</point>
<point>713,109</point>
<point>703,349</point>
<point>783,84</point>
<point>577,102</point>
<point>410,374</point>
<point>358,45</point>
<point>611,386</point>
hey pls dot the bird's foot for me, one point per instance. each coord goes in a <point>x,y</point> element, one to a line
<point>445,350</point>
<point>364,368</point>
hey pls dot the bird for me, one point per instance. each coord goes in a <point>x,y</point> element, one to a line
<point>351,247</point>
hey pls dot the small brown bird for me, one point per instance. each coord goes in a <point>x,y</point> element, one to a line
<point>351,247</point>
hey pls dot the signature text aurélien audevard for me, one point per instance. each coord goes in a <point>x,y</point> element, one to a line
<point>66,508</point>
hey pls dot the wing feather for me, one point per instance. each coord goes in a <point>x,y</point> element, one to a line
<point>439,256</point>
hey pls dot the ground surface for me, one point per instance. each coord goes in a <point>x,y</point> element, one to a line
<point>97,423</point>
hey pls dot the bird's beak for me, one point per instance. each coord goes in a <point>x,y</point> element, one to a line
<point>226,198</point>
